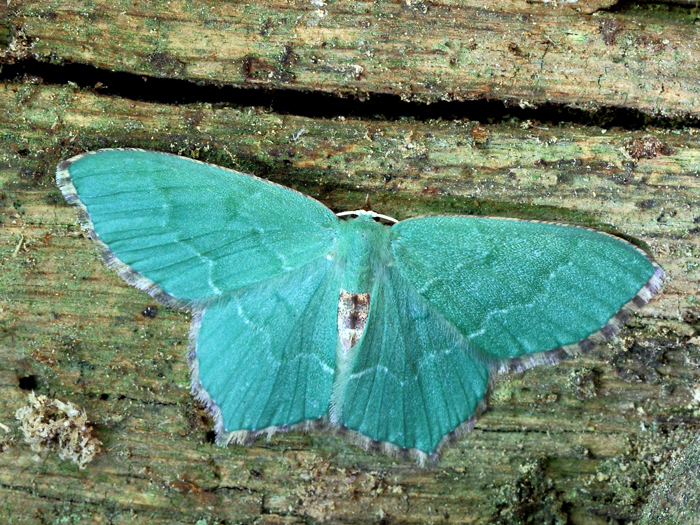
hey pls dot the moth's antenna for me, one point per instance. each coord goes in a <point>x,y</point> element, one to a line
<point>367,206</point>
<point>372,214</point>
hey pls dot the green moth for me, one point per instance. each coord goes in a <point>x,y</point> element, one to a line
<point>301,316</point>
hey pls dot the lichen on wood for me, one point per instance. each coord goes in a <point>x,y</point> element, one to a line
<point>527,54</point>
<point>80,331</point>
<point>584,441</point>
<point>51,424</point>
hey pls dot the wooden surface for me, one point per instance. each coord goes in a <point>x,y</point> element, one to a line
<point>582,442</point>
<point>524,53</point>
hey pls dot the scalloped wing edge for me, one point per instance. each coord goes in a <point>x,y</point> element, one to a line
<point>126,272</point>
<point>247,437</point>
<point>498,370</point>
<point>585,345</point>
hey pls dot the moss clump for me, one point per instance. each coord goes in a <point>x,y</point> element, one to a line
<point>50,424</point>
<point>583,382</point>
<point>677,499</point>
<point>531,498</point>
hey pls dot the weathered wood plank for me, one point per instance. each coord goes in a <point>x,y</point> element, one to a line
<point>524,53</point>
<point>583,440</point>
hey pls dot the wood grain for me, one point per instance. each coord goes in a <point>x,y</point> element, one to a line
<point>590,54</point>
<point>583,441</point>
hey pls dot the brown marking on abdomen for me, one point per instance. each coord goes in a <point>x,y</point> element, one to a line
<point>353,309</point>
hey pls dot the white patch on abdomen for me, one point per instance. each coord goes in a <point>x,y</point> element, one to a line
<point>353,309</point>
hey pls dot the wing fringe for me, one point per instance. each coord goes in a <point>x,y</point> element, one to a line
<point>126,272</point>
<point>498,370</point>
<point>246,437</point>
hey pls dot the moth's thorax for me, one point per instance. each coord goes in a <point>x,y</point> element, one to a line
<point>363,252</point>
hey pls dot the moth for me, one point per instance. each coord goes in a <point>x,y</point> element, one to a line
<point>390,330</point>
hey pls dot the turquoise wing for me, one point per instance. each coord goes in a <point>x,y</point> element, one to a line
<point>415,377</point>
<point>515,288</point>
<point>185,230</point>
<point>460,297</point>
<point>265,356</point>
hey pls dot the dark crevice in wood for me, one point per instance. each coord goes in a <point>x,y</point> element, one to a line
<point>287,101</point>
<point>682,7</point>
<point>28,382</point>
